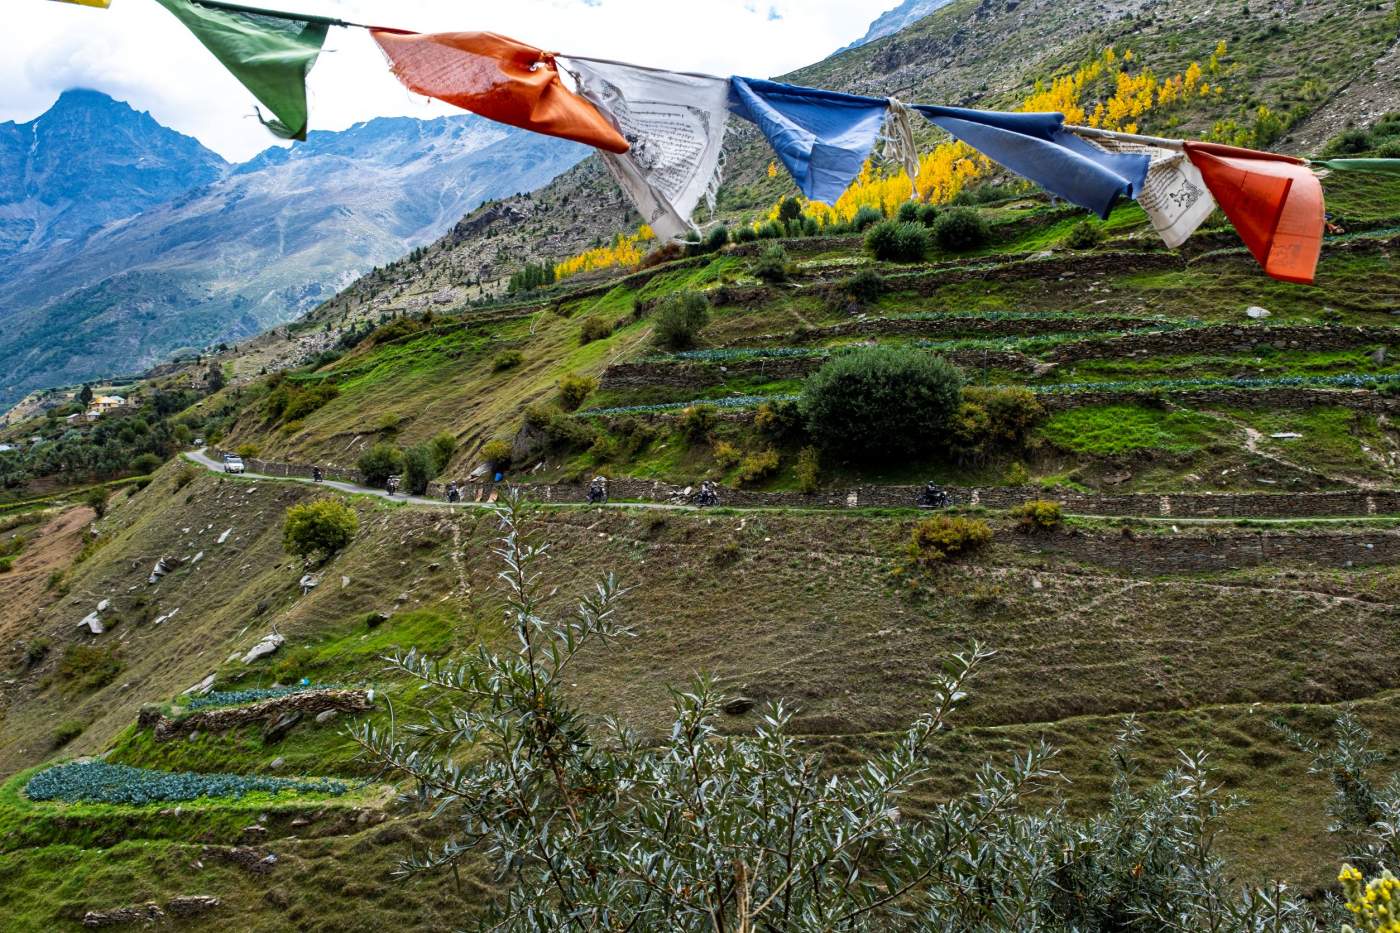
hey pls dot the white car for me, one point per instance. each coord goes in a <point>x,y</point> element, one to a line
<point>233,464</point>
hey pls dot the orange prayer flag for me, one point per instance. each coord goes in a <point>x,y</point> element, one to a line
<point>500,79</point>
<point>1275,203</point>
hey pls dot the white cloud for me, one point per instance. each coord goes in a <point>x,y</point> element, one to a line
<point>138,52</point>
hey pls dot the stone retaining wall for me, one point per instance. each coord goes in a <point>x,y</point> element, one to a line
<point>221,719</point>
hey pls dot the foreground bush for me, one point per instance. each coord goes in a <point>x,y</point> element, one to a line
<point>100,782</point>
<point>944,538</point>
<point>893,241</point>
<point>880,401</point>
<point>772,264</point>
<point>573,389</point>
<point>689,829</point>
<point>319,529</point>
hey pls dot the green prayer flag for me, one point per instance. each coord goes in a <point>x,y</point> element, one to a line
<point>270,54</point>
<point>1386,166</point>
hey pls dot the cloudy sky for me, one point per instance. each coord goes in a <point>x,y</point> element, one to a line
<point>138,52</point>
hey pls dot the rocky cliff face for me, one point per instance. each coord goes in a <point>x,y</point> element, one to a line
<point>88,161</point>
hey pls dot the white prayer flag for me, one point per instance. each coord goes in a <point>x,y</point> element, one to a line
<point>1175,198</point>
<point>675,124</point>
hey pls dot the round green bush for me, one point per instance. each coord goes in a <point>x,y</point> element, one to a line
<point>679,318</point>
<point>961,229</point>
<point>379,463</point>
<point>893,241</point>
<point>866,217</point>
<point>319,528</point>
<point>881,401</point>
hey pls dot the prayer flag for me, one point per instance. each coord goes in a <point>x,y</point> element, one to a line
<point>1386,166</point>
<point>270,55</point>
<point>1037,146</point>
<point>1174,196</point>
<point>674,125</point>
<point>100,4</point>
<point>1274,201</point>
<point>823,137</point>
<point>498,78</point>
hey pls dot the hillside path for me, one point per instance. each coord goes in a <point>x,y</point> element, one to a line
<point>202,459</point>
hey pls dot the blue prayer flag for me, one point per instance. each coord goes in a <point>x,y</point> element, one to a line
<point>1037,146</point>
<point>823,137</point>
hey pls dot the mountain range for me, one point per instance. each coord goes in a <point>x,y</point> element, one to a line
<point>892,21</point>
<point>122,241</point>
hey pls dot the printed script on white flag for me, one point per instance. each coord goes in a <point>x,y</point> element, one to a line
<point>675,125</point>
<point>1175,198</point>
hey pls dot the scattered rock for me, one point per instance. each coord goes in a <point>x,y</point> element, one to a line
<point>376,619</point>
<point>224,537</point>
<point>308,582</point>
<point>262,649</point>
<point>162,567</point>
<point>201,688</point>
<point>191,905</point>
<point>1257,313</point>
<point>278,763</point>
<point>281,726</point>
<point>1378,357</point>
<point>104,605</point>
<point>194,735</point>
<point>1117,479</point>
<point>737,706</point>
<point>344,581</point>
<point>93,623</point>
<point>325,716</point>
<point>146,914</point>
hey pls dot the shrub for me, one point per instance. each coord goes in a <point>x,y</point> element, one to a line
<point>35,650</point>
<point>772,264</point>
<point>727,455</point>
<point>892,241</point>
<point>1013,412</point>
<point>865,218</point>
<point>247,451</point>
<point>146,463</point>
<point>1389,150</point>
<point>379,463</point>
<point>66,732</point>
<point>680,317</point>
<point>697,422</point>
<point>745,235</point>
<point>929,214</point>
<point>880,401</point>
<point>562,431</point>
<point>944,538</point>
<point>595,328</point>
<point>96,499</point>
<point>7,563</point>
<point>717,239</point>
<point>969,432</point>
<point>88,667</point>
<point>1038,516</point>
<point>388,423</point>
<point>1351,142</point>
<point>419,468</point>
<point>759,466</point>
<point>497,453</point>
<point>443,446</point>
<point>1086,234</point>
<point>908,212</point>
<point>574,388</point>
<point>771,231</point>
<point>779,420</point>
<point>808,469</point>
<point>960,229</point>
<point>318,529</point>
<point>865,285</point>
<point>506,359</point>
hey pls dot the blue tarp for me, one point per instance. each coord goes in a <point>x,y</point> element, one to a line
<point>823,137</point>
<point>1038,147</point>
